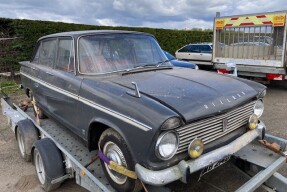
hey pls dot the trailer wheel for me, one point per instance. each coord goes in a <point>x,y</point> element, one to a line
<point>26,135</point>
<point>116,149</point>
<point>36,108</point>
<point>48,162</point>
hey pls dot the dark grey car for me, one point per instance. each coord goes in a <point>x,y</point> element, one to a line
<point>119,93</point>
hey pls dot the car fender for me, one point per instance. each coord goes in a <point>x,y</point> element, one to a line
<point>109,124</point>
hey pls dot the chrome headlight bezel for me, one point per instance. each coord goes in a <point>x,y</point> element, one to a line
<point>171,123</point>
<point>262,94</point>
<point>158,145</point>
<point>258,108</point>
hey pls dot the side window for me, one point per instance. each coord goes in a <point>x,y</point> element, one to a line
<point>47,52</point>
<point>37,53</point>
<point>185,49</point>
<point>206,49</point>
<point>194,49</point>
<point>65,60</point>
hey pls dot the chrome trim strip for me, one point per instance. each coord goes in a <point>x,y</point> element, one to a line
<point>92,104</point>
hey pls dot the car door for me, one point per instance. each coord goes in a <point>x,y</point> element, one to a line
<point>194,53</point>
<point>205,53</point>
<point>183,53</point>
<point>63,96</point>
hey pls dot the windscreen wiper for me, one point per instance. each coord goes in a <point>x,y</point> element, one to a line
<point>162,62</point>
<point>147,67</point>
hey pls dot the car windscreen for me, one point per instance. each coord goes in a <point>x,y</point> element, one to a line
<point>107,53</point>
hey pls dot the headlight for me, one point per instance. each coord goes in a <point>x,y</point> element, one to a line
<point>171,123</point>
<point>166,145</point>
<point>195,148</point>
<point>196,67</point>
<point>253,121</point>
<point>259,108</point>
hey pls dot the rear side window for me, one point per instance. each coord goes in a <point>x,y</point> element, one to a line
<point>37,53</point>
<point>194,48</point>
<point>65,60</point>
<point>206,49</point>
<point>47,52</point>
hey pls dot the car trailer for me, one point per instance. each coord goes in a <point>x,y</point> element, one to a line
<point>49,145</point>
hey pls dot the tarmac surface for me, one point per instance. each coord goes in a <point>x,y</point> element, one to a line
<point>17,175</point>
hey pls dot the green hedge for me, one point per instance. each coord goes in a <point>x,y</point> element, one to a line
<point>28,31</point>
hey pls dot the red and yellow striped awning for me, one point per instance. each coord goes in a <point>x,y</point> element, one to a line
<point>275,20</point>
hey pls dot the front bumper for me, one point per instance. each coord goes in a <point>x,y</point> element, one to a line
<point>184,168</point>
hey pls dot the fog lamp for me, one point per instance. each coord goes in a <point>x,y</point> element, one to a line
<point>195,148</point>
<point>253,121</point>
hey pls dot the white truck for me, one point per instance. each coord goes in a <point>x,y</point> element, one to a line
<point>255,43</point>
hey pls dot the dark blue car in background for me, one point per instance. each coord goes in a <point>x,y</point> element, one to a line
<point>179,63</point>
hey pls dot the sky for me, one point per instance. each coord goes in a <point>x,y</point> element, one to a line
<point>169,14</point>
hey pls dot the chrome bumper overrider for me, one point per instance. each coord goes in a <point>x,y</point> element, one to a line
<point>179,171</point>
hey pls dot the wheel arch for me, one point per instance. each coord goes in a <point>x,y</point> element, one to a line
<point>96,128</point>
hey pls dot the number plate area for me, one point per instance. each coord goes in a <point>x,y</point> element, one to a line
<point>214,165</point>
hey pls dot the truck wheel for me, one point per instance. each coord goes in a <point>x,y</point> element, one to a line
<point>116,149</point>
<point>36,108</point>
<point>26,135</point>
<point>48,162</point>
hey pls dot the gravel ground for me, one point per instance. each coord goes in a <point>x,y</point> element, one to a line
<point>17,175</point>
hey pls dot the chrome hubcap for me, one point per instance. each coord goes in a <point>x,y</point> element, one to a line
<point>40,168</point>
<point>113,152</point>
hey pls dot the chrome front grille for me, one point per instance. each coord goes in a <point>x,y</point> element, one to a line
<point>211,128</point>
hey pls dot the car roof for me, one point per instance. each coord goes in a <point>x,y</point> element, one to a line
<point>92,32</point>
<point>203,43</point>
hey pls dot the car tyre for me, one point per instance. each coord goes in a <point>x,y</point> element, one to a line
<point>36,108</point>
<point>48,162</point>
<point>26,135</point>
<point>116,149</point>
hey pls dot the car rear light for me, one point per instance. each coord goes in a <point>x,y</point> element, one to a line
<point>222,71</point>
<point>271,76</point>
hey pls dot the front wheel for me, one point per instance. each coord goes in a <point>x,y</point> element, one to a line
<point>116,149</point>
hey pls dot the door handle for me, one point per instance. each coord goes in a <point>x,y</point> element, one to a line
<point>47,72</point>
<point>34,68</point>
<point>36,85</point>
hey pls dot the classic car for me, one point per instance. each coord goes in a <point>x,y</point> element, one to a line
<point>118,92</point>
<point>198,53</point>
